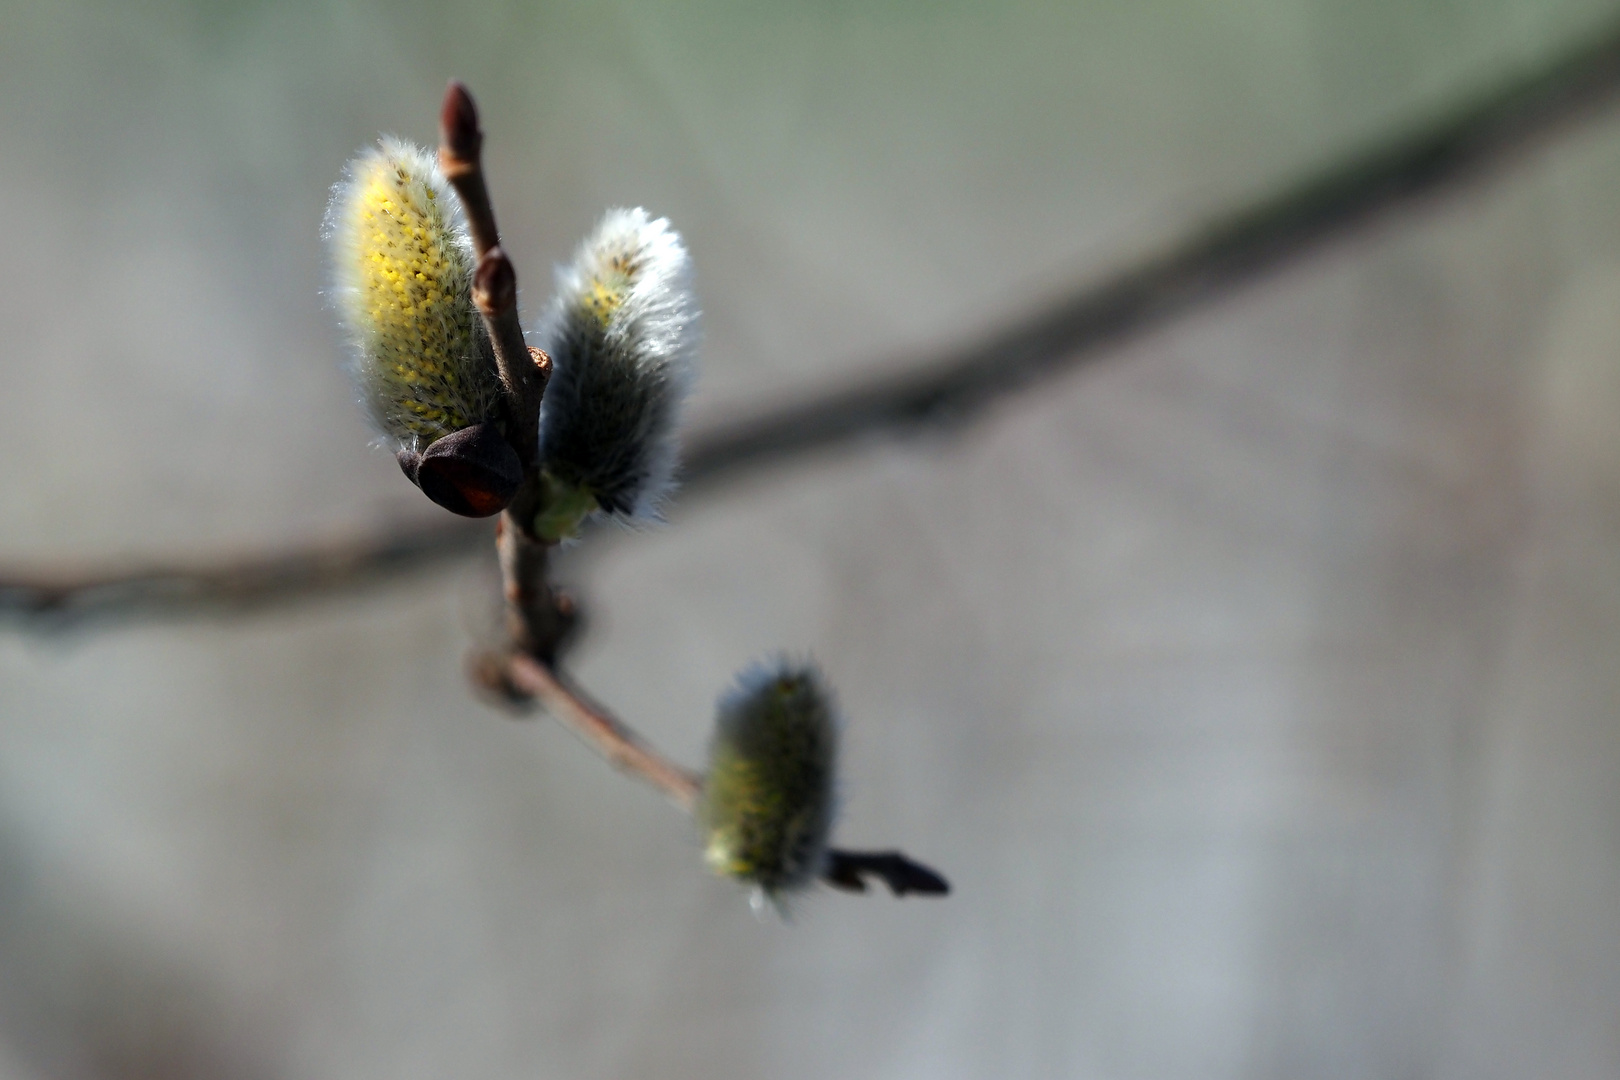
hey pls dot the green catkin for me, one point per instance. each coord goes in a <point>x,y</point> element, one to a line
<point>768,797</point>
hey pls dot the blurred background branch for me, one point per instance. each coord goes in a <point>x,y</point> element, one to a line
<point>1485,132</point>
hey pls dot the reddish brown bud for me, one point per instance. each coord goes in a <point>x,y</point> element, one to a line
<point>460,141</point>
<point>542,361</point>
<point>494,283</point>
<point>473,472</point>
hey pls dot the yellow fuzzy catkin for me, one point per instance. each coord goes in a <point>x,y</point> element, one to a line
<point>404,267</point>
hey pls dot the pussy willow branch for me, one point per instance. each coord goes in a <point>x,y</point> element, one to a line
<point>1209,263</point>
<point>540,618</point>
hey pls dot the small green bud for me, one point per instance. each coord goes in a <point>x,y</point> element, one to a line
<point>563,509</point>
<point>767,802</point>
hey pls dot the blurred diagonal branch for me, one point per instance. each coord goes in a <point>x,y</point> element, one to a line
<point>66,596</point>
<point>1209,263</point>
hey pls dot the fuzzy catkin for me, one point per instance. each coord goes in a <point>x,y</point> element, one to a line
<point>768,798</point>
<point>403,263</point>
<point>620,333</point>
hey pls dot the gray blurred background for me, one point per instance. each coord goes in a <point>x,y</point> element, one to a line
<point>1258,687</point>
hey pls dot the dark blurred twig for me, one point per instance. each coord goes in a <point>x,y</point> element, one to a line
<point>1210,263</point>
<point>65,596</point>
<point>848,869</point>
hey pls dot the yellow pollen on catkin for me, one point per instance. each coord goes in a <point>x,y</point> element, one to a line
<point>605,295</point>
<point>607,289</point>
<point>409,271</point>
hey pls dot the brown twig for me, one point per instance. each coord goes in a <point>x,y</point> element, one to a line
<point>1209,263</point>
<point>64,597</point>
<point>539,618</point>
<point>622,747</point>
<point>523,373</point>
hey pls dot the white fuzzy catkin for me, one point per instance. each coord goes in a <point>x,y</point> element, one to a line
<point>402,264</point>
<point>621,334</point>
<point>768,799</point>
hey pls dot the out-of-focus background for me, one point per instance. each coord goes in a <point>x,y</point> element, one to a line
<point>1258,686</point>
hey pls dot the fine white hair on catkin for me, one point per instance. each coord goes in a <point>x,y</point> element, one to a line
<point>402,267</point>
<point>621,333</point>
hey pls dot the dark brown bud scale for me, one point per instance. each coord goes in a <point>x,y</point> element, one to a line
<point>473,472</point>
<point>409,462</point>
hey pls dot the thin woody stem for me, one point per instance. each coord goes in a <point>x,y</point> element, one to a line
<point>523,371</point>
<point>622,747</point>
<point>539,618</point>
